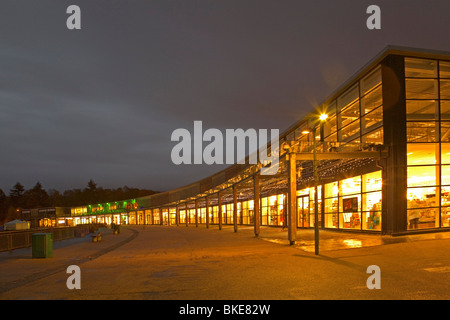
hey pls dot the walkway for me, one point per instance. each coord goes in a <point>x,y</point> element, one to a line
<point>188,263</point>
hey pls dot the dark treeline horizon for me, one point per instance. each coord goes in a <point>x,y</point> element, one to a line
<point>37,197</point>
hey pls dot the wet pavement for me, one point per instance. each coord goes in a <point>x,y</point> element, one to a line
<point>182,263</point>
<point>337,240</point>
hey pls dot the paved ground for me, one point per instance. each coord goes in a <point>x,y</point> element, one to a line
<point>188,263</point>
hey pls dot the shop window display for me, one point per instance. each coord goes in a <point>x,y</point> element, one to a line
<point>303,208</point>
<point>247,212</point>
<point>428,153</point>
<point>272,209</point>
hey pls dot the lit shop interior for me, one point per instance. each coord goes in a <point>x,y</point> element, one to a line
<point>399,102</point>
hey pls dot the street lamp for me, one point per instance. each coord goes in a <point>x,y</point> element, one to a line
<point>322,118</point>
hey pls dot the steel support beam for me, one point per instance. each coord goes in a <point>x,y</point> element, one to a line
<point>196,213</point>
<point>256,213</point>
<point>207,212</point>
<point>235,220</point>
<point>292,199</point>
<point>341,155</point>
<point>219,209</point>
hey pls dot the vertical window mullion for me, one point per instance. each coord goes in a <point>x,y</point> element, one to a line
<point>440,144</point>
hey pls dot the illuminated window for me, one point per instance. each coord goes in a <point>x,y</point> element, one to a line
<point>350,208</point>
<point>422,211</point>
<point>173,216</point>
<point>445,110</point>
<point>331,190</point>
<point>428,115</point>
<point>422,154</point>
<point>444,69</point>
<point>445,175</point>
<point>375,137</point>
<point>373,80</point>
<point>350,186</point>
<point>349,114</point>
<point>422,176</point>
<point>350,132</point>
<point>214,214</point>
<point>421,89</point>
<point>372,100</point>
<point>156,216</point>
<point>445,131</point>
<point>330,126</point>
<point>420,68</point>
<point>422,110</point>
<point>303,208</point>
<point>272,210</point>
<point>182,216</point>
<point>372,119</point>
<point>421,132</point>
<point>247,212</point>
<point>331,204</point>
<point>445,89</point>
<point>358,108</point>
<point>227,213</point>
<point>372,182</point>
<point>350,97</point>
<point>312,204</point>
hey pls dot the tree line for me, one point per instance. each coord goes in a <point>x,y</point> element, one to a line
<point>37,197</point>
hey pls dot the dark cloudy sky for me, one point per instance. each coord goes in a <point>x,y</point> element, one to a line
<point>101,102</point>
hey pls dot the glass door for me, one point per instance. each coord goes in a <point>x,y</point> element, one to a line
<point>303,211</point>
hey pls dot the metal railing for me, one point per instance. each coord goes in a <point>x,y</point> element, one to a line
<point>10,240</point>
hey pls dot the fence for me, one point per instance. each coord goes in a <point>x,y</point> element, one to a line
<point>10,240</point>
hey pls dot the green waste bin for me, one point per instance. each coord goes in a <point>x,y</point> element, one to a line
<point>42,245</point>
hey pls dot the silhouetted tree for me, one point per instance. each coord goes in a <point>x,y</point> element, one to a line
<point>56,198</point>
<point>36,197</point>
<point>92,186</point>
<point>3,206</point>
<point>91,192</point>
<point>16,195</point>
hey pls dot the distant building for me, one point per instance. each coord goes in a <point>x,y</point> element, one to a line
<point>44,216</point>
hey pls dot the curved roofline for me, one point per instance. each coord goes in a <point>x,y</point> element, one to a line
<point>388,50</point>
<point>368,67</point>
<point>239,168</point>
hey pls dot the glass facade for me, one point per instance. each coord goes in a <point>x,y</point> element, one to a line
<point>354,203</point>
<point>351,200</point>
<point>247,212</point>
<point>357,114</point>
<point>214,214</point>
<point>303,208</point>
<point>156,216</point>
<point>227,213</point>
<point>428,142</point>
<point>182,214</point>
<point>272,210</point>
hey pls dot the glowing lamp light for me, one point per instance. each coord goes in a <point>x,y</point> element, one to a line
<point>323,117</point>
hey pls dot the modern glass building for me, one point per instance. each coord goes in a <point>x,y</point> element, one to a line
<point>393,116</point>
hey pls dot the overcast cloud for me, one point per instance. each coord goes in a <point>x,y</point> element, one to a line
<point>101,102</point>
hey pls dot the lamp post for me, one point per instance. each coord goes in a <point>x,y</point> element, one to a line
<point>292,185</point>
<point>323,117</point>
<point>316,196</point>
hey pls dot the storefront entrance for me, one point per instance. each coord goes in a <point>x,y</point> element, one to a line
<point>303,211</point>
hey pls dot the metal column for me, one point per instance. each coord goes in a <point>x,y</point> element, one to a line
<point>207,212</point>
<point>235,220</point>
<point>256,214</point>
<point>219,202</point>
<point>292,199</point>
